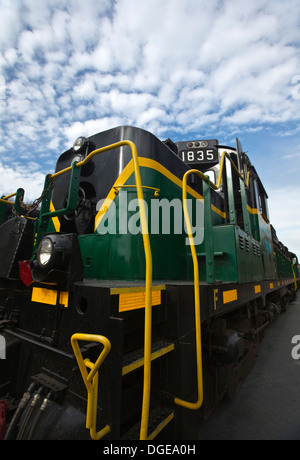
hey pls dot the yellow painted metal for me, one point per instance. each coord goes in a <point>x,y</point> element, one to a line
<point>222,161</point>
<point>230,296</point>
<point>160,427</point>
<point>9,196</point>
<point>2,200</point>
<point>135,289</point>
<point>140,362</point>
<point>219,181</point>
<point>295,279</point>
<point>91,379</point>
<point>42,295</point>
<point>196,405</point>
<point>134,301</point>
<point>49,296</point>
<point>156,190</point>
<point>257,289</point>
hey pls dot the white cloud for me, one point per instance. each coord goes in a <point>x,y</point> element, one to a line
<point>235,63</point>
<point>16,177</point>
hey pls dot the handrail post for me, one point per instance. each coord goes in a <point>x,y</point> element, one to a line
<point>208,234</point>
<point>71,205</point>
<point>72,194</point>
<point>18,198</point>
<point>180,402</point>
<point>244,206</point>
<point>45,206</point>
<point>91,379</point>
<point>231,203</point>
<point>148,278</point>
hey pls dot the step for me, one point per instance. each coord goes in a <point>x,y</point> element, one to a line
<point>159,418</point>
<point>135,359</point>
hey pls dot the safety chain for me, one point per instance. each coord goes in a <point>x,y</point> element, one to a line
<point>31,207</point>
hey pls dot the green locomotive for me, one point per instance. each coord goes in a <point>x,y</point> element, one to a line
<point>136,297</point>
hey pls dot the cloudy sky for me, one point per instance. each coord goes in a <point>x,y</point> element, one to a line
<point>179,68</point>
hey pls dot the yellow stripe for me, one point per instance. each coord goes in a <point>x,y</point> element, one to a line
<point>252,210</point>
<point>49,296</point>
<point>64,299</point>
<point>140,362</point>
<point>130,290</point>
<point>230,296</point>
<point>148,163</point>
<point>255,211</point>
<point>55,220</point>
<point>123,177</point>
<point>257,289</point>
<point>136,300</point>
<point>161,426</point>
<point>44,296</point>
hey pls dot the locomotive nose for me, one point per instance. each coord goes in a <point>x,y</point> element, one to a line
<point>58,259</point>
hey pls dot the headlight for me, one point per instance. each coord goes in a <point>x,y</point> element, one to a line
<point>58,259</point>
<point>79,143</point>
<point>45,252</point>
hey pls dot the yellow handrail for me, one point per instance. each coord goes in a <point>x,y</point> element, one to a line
<point>295,279</point>
<point>218,184</point>
<point>196,405</point>
<point>148,280</point>
<point>2,200</point>
<point>91,379</point>
<point>9,196</point>
<point>156,190</point>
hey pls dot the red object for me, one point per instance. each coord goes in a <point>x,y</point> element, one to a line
<point>25,272</point>
<point>3,411</point>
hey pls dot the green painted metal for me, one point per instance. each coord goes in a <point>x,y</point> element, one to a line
<point>226,254</point>
<point>247,227</point>
<point>208,235</point>
<point>18,199</point>
<point>283,265</point>
<point>2,211</point>
<point>118,253</point>
<point>231,203</point>
<point>45,220</point>
<point>72,195</point>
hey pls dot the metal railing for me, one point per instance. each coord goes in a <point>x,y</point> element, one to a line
<point>91,379</point>
<point>209,256</point>
<point>148,257</point>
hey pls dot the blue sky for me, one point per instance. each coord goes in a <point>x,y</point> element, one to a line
<point>178,68</point>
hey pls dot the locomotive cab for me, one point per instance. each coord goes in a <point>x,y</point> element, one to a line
<point>159,258</point>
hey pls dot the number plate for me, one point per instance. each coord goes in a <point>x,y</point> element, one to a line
<point>198,151</point>
<point>199,156</point>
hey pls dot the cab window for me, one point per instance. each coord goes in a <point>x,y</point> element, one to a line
<point>261,200</point>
